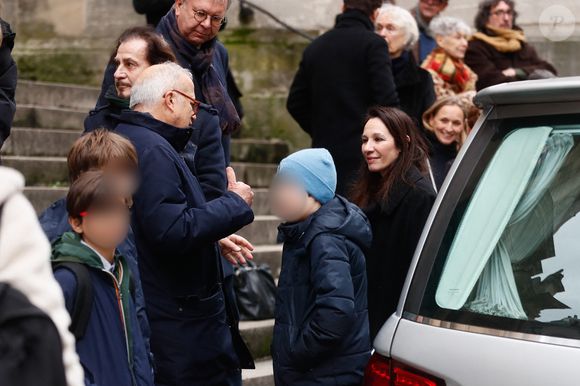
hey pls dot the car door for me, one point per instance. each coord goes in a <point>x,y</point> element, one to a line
<point>494,295</point>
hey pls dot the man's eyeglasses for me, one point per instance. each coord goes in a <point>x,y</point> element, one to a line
<point>503,12</point>
<point>201,16</point>
<point>194,102</point>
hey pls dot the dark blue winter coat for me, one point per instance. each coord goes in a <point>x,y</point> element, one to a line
<point>176,231</point>
<point>203,154</point>
<point>54,223</point>
<point>112,350</point>
<point>99,115</point>
<point>321,333</point>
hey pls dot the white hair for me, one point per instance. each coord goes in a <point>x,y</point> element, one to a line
<point>149,89</point>
<point>447,25</point>
<point>404,20</point>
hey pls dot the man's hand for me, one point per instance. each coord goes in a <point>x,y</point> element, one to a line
<point>236,249</point>
<point>509,72</point>
<point>238,187</point>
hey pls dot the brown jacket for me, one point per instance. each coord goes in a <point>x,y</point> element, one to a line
<point>488,63</point>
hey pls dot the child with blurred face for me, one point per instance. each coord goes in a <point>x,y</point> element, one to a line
<point>290,201</point>
<point>99,211</point>
<point>322,285</point>
<point>112,347</point>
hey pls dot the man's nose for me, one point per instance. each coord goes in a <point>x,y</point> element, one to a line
<point>207,22</point>
<point>119,73</point>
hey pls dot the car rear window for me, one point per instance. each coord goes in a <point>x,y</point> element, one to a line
<point>512,258</point>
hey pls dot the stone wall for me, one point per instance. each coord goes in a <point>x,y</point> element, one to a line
<point>69,41</point>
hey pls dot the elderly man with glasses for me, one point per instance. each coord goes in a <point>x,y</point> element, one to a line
<point>191,28</point>
<point>498,52</point>
<point>424,12</point>
<point>193,338</point>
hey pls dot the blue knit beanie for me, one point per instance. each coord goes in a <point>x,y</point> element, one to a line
<point>314,170</point>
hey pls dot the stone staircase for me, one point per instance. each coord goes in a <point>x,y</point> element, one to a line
<point>49,118</point>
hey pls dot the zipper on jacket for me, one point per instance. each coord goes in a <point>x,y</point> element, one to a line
<point>119,296</point>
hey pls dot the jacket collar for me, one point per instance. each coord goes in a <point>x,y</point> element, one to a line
<point>405,70</point>
<point>337,216</point>
<point>437,147</point>
<point>176,137</point>
<point>354,18</point>
<point>70,248</point>
<point>114,100</point>
<point>293,232</point>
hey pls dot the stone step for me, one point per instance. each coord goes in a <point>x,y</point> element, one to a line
<point>38,143</point>
<point>49,117</point>
<point>52,171</point>
<point>57,142</point>
<point>41,197</point>
<point>263,231</point>
<point>263,375</point>
<point>270,255</point>
<point>258,336</point>
<point>259,150</point>
<point>56,95</point>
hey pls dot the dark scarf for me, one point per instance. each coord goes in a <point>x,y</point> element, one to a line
<point>400,63</point>
<point>115,101</point>
<point>200,62</point>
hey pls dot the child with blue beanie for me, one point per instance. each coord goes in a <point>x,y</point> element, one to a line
<point>321,332</point>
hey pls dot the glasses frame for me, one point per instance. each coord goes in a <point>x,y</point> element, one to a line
<point>194,102</point>
<point>503,12</point>
<point>201,16</point>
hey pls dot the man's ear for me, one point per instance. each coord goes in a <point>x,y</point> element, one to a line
<point>169,100</point>
<point>375,16</point>
<point>178,4</point>
<point>76,224</point>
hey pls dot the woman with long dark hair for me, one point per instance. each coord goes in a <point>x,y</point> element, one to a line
<point>396,193</point>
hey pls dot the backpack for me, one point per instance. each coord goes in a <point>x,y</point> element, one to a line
<point>84,297</point>
<point>30,346</point>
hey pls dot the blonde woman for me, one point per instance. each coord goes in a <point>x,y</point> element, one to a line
<point>446,129</point>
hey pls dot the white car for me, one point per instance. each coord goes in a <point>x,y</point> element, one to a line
<point>493,293</point>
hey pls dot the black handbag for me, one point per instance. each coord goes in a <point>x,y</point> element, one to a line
<point>255,291</point>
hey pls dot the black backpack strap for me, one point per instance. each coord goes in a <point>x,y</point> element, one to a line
<point>83,304</point>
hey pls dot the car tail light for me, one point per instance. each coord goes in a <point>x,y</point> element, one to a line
<point>383,371</point>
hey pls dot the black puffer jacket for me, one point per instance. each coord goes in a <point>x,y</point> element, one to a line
<point>8,76</point>
<point>321,334</point>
